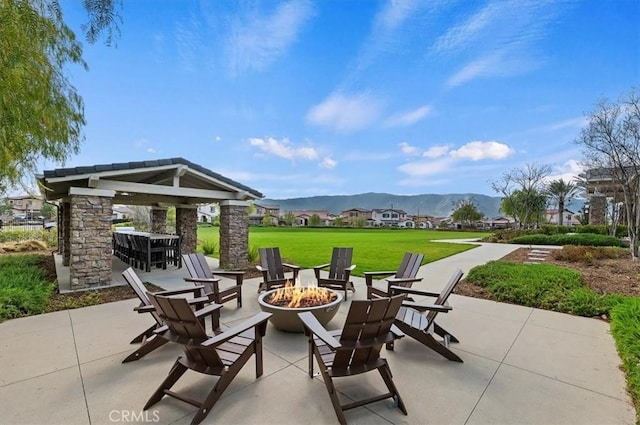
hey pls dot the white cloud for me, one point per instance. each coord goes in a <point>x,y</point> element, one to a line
<point>408,118</point>
<point>436,151</point>
<point>217,138</point>
<point>568,171</point>
<point>482,150</point>
<point>283,148</point>
<point>328,162</point>
<point>407,149</point>
<point>260,40</point>
<point>345,113</point>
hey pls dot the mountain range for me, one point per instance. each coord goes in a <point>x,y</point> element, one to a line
<point>432,205</point>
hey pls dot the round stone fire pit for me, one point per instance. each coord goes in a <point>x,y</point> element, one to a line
<point>285,318</point>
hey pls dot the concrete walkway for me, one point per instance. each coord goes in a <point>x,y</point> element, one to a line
<point>521,366</point>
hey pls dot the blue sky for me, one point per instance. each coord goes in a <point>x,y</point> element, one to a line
<point>302,98</point>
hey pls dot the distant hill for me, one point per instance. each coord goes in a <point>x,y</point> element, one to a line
<point>433,205</point>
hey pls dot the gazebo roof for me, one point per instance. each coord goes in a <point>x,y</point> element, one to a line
<point>173,181</point>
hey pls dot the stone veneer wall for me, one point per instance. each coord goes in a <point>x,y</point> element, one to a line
<point>597,209</point>
<point>158,220</point>
<point>90,241</point>
<point>234,235</point>
<point>186,227</point>
<point>65,234</point>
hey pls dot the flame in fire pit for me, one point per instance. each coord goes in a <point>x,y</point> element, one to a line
<point>300,296</point>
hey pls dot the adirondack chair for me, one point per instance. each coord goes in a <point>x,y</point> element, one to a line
<point>355,349</point>
<point>201,274</point>
<point>340,268</point>
<point>272,268</point>
<point>404,276</point>
<point>149,339</point>
<point>221,354</point>
<point>412,320</point>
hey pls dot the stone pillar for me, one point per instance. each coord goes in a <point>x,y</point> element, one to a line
<point>598,209</point>
<point>234,235</point>
<point>90,238</point>
<point>66,232</point>
<point>158,220</point>
<point>187,227</point>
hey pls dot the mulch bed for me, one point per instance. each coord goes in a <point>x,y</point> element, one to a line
<point>606,276</point>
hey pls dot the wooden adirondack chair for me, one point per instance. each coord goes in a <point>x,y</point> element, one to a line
<point>339,273</point>
<point>417,319</point>
<point>404,276</point>
<point>149,339</point>
<point>222,354</point>
<point>272,268</point>
<point>355,349</point>
<point>201,274</point>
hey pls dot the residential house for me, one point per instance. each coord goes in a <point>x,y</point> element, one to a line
<point>27,206</point>
<point>272,212</point>
<point>569,217</point>
<point>499,222</point>
<point>390,217</point>
<point>303,217</point>
<point>351,216</point>
<point>207,213</point>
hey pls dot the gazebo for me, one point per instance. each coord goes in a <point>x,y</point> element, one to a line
<point>86,196</point>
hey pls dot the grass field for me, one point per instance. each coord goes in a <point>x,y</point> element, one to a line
<point>373,249</point>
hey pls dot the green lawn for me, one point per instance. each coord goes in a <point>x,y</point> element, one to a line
<point>373,249</point>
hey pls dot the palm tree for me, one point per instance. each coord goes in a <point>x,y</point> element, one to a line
<point>560,191</point>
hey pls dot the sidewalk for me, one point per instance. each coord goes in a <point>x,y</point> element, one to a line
<point>521,366</point>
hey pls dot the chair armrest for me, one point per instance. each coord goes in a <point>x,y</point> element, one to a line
<point>369,276</point>
<point>396,332</point>
<point>199,300</point>
<point>196,290</point>
<point>202,279</point>
<point>261,269</point>
<point>321,266</point>
<point>144,308</point>
<point>403,290</point>
<point>431,307</point>
<point>291,266</point>
<point>208,309</point>
<point>237,274</point>
<point>252,322</point>
<point>313,326</point>
<point>351,267</point>
<point>393,280</point>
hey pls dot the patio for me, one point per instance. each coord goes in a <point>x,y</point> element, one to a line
<point>521,366</point>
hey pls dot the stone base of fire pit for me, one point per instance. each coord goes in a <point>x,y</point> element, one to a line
<point>286,318</point>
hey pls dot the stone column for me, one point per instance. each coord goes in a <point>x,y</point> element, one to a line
<point>598,209</point>
<point>234,235</point>
<point>65,233</point>
<point>187,227</point>
<point>90,238</point>
<point>158,220</point>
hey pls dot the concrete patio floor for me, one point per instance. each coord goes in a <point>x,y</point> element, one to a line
<point>521,366</point>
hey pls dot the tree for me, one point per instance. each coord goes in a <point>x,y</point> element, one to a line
<point>48,211</point>
<point>467,213</point>
<point>522,193</point>
<point>611,143</point>
<point>41,114</point>
<point>104,16</point>
<point>338,222</point>
<point>315,220</point>
<point>289,218</point>
<point>561,191</point>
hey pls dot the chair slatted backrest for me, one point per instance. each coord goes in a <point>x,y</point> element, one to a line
<point>197,265</point>
<point>446,291</point>
<point>410,265</point>
<point>138,287</point>
<point>340,261</point>
<point>186,329</point>
<point>367,327</point>
<point>270,259</point>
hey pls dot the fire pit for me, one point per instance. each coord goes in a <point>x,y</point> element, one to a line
<point>286,303</point>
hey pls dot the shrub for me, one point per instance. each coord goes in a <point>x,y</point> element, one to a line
<point>581,253</point>
<point>209,247</point>
<point>253,254</point>
<point>24,289</point>
<point>569,239</point>
<point>50,237</point>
